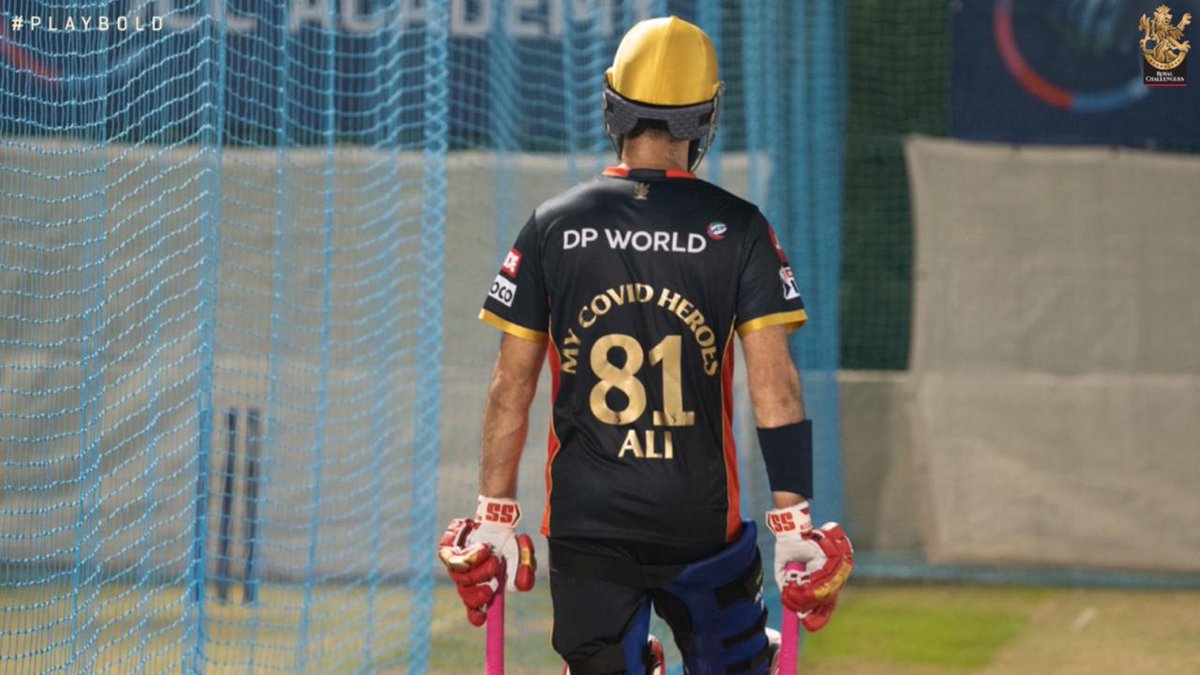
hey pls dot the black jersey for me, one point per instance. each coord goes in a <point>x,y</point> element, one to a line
<point>640,278</point>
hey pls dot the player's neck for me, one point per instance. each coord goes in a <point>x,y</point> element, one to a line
<point>654,153</point>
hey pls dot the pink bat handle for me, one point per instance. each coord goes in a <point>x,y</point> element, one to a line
<point>495,632</point>
<point>789,650</point>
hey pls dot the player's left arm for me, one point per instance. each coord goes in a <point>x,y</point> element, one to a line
<point>785,437</point>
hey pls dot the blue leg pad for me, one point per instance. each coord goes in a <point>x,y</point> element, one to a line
<point>633,643</point>
<point>717,612</point>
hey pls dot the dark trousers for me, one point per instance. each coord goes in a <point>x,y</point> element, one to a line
<point>603,591</point>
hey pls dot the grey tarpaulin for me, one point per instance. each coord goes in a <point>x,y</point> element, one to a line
<point>1056,355</point>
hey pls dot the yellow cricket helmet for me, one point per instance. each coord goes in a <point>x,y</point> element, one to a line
<point>665,69</point>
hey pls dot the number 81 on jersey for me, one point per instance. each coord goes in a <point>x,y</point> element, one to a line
<point>624,379</point>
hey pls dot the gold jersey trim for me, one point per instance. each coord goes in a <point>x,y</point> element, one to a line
<point>511,328</point>
<point>793,320</point>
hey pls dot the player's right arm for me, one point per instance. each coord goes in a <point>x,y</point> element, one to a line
<point>775,390</point>
<point>783,434</point>
<point>506,415</point>
<point>480,551</point>
<point>769,306</point>
<point>477,551</point>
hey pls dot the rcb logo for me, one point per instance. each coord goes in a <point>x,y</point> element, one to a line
<point>1163,48</point>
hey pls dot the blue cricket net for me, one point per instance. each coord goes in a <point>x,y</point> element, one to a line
<point>221,292</point>
<point>243,247</point>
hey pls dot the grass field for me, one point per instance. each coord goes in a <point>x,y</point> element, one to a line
<point>879,629</point>
<point>928,630</point>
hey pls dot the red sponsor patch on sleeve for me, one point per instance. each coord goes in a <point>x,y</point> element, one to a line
<point>778,249</point>
<point>512,262</point>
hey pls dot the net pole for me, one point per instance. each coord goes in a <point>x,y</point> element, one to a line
<point>824,39</point>
<point>89,479</point>
<point>91,388</point>
<point>752,97</point>
<point>576,46</point>
<point>502,118</point>
<point>384,452</point>
<point>380,83</point>
<point>794,164</point>
<point>774,136</point>
<point>314,529</point>
<point>97,434</point>
<point>601,20</point>
<point>570,96</point>
<point>210,286</point>
<point>429,385</point>
<point>280,281</point>
<point>794,168</point>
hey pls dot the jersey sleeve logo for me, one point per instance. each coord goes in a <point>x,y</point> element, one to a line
<point>512,262</point>
<point>790,292</point>
<point>778,249</point>
<point>503,291</point>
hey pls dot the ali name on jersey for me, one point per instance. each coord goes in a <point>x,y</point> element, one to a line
<point>638,240</point>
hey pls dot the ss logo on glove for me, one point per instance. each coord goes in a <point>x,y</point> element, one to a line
<point>504,514</point>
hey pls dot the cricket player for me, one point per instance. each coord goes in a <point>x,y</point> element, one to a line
<point>633,286</point>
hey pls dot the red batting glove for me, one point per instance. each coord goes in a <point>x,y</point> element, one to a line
<point>471,567</point>
<point>481,554</point>
<point>496,522</point>
<point>828,559</point>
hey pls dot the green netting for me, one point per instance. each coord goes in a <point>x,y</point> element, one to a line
<point>899,85</point>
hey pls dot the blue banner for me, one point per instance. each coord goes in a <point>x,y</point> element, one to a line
<point>1067,71</point>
